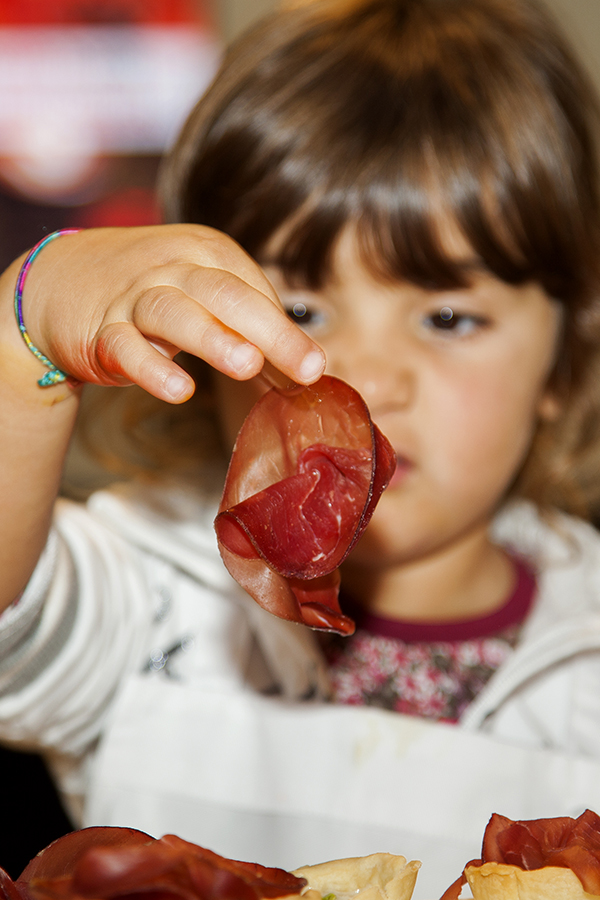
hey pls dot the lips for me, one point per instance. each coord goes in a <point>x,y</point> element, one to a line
<point>403,468</point>
<point>393,423</point>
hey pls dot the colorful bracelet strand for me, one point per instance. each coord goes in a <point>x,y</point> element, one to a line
<point>55,375</point>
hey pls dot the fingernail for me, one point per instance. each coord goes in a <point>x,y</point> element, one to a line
<point>312,365</point>
<point>242,356</point>
<point>177,386</point>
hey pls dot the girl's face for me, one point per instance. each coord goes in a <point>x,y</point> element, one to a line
<point>455,379</point>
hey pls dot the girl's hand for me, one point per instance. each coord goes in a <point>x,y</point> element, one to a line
<point>115,305</point>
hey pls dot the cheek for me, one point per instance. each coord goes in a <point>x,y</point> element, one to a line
<point>485,424</point>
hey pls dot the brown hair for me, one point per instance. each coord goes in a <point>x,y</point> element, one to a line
<point>384,113</point>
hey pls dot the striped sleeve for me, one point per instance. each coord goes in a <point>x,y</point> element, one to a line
<point>82,623</point>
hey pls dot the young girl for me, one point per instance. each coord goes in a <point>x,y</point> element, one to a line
<point>416,182</point>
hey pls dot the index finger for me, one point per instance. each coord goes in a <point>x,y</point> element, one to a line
<point>259,318</point>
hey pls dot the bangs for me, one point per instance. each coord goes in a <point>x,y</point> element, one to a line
<point>521,222</point>
<point>396,119</point>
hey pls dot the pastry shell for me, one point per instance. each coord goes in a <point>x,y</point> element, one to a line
<point>380,876</point>
<point>497,881</point>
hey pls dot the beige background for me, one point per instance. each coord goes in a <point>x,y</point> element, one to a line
<point>581,21</point>
<point>234,16</point>
<point>579,18</point>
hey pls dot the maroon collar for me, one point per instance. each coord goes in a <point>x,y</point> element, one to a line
<point>513,612</point>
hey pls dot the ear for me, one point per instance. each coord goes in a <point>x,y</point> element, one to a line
<point>549,407</point>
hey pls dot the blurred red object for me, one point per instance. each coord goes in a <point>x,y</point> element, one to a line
<point>135,12</point>
<point>131,206</point>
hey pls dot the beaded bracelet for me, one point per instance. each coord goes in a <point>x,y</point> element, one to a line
<point>55,375</point>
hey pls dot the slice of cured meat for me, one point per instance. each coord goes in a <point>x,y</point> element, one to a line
<point>59,857</point>
<point>561,842</point>
<point>104,863</point>
<point>307,471</point>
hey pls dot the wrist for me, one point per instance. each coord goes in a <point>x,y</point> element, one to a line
<point>54,375</point>
<point>19,368</point>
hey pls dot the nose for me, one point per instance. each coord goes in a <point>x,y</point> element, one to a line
<point>380,370</point>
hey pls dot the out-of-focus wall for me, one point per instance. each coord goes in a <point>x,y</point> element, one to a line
<point>580,19</point>
<point>234,16</point>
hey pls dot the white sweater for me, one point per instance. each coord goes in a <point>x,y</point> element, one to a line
<point>166,700</point>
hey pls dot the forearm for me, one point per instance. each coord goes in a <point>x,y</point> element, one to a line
<point>84,621</point>
<point>35,425</point>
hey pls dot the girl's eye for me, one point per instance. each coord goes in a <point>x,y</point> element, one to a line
<point>447,320</point>
<point>304,316</point>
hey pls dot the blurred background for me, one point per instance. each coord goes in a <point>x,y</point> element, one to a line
<point>91,94</point>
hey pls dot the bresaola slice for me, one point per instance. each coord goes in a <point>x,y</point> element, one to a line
<point>543,858</point>
<point>106,863</point>
<point>307,471</point>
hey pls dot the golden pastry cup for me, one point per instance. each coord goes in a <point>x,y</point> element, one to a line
<point>380,876</point>
<point>497,881</point>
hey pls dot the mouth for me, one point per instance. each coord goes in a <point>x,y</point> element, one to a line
<point>403,467</point>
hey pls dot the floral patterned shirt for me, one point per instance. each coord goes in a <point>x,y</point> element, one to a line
<point>429,669</point>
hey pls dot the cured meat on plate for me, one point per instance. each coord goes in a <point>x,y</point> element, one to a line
<point>307,471</point>
<point>109,863</point>
<point>535,859</point>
